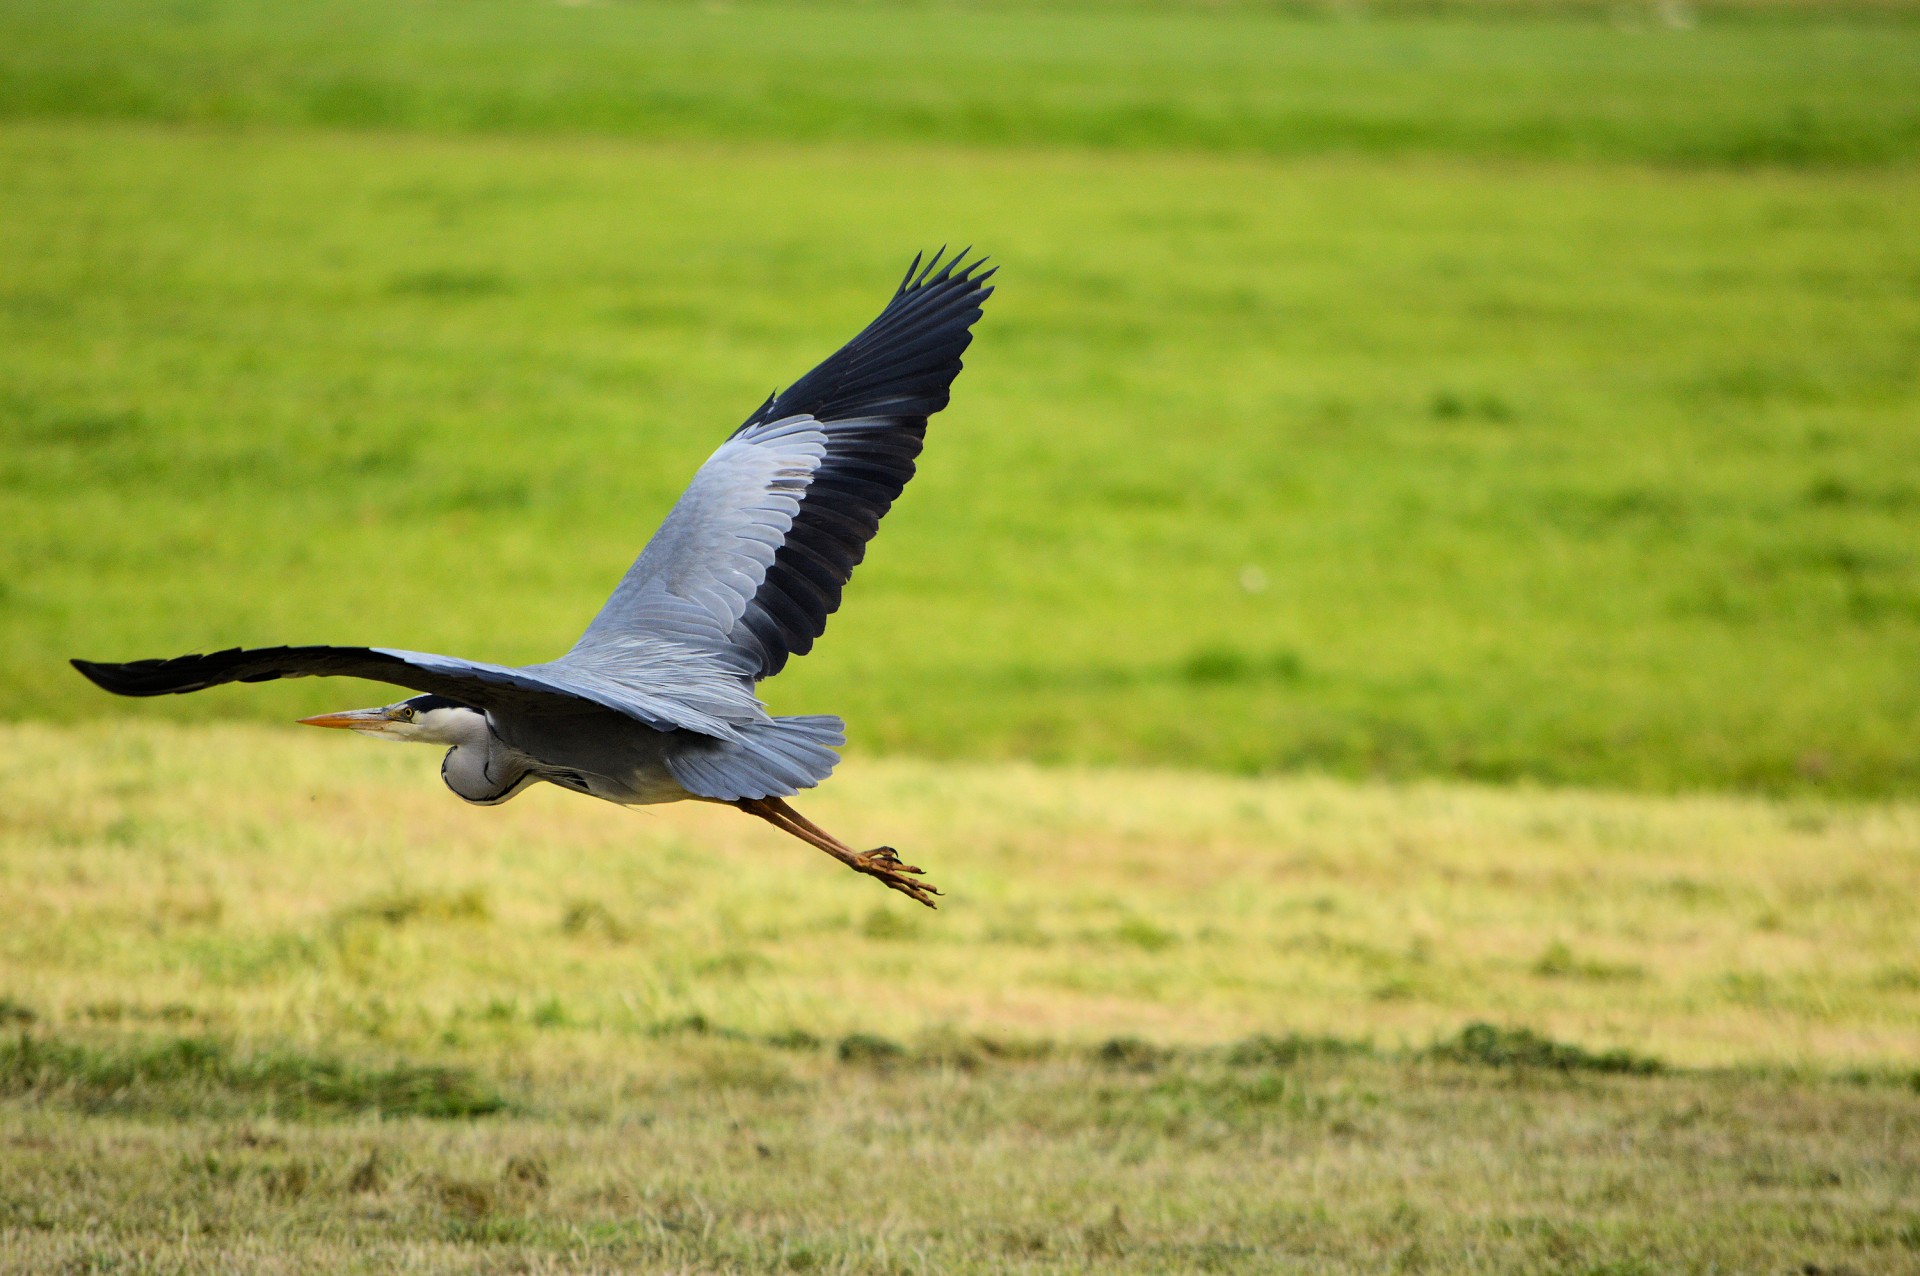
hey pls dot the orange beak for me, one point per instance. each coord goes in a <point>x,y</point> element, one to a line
<point>348,721</point>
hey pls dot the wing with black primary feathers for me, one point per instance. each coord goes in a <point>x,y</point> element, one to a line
<point>744,572</point>
<point>754,556</point>
<point>485,686</point>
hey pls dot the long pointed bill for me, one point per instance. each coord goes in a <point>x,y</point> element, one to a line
<point>352,720</point>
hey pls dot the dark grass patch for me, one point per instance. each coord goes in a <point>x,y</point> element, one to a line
<point>1261,1051</point>
<point>593,919</point>
<point>446,285</point>
<point>1870,1078</point>
<point>1217,664</point>
<point>1131,1054</point>
<point>697,1025</point>
<point>399,908</point>
<point>1477,1044</point>
<point>183,1076</point>
<point>117,1011</point>
<point>1518,1048</point>
<point>1559,961</point>
<point>871,1050</point>
<point>1446,405</point>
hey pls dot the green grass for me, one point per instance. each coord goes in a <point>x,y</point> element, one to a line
<point>270,1001</point>
<point>1598,474</point>
<point>1807,86</point>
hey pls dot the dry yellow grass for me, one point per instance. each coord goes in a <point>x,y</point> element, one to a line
<point>284,886</point>
<point>244,968</point>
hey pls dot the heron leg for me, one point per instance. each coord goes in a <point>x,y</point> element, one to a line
<point>881,862</point>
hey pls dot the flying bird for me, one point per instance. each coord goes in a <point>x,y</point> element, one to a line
<point>656,701</point>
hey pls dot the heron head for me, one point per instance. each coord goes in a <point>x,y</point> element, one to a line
<point>422,720</point>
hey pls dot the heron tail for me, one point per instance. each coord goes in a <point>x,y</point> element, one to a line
<point>777,758</point>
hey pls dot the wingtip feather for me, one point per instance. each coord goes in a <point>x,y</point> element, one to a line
<point>90,670</point>
<point>907,278</point>
<point>942,267</point>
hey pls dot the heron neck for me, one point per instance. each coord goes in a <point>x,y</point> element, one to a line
<point>487,773</point>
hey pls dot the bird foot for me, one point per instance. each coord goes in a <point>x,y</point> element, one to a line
<point>884,863</point>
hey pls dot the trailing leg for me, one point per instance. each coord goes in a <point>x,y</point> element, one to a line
<point>881,862</point>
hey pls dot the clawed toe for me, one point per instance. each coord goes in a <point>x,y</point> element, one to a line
<point>884,863</point>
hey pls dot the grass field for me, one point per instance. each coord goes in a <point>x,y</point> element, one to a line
<point>1404,653</point>
<point>1595,475</point>
<point>283,998</point>
<point>1420,450</point>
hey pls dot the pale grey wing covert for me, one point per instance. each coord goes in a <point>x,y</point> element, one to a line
<point>755,555</point>
<point>695,578</point>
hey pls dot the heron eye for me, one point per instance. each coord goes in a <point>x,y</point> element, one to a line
<point>405,713</point>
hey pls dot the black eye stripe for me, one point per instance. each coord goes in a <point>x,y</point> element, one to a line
<point>428,703</point>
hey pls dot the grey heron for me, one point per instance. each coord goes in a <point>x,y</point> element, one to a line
<point>656,701</point>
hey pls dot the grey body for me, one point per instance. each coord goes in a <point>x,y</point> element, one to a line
<point>610,756</point>
<point>657,700</point>
<point>597,752</point>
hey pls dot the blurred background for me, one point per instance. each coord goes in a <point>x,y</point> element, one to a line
<point>1506,391</point>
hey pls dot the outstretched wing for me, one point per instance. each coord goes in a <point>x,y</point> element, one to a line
<point>743,573</point>
<point>753,557</point>
<point>485,686</point>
